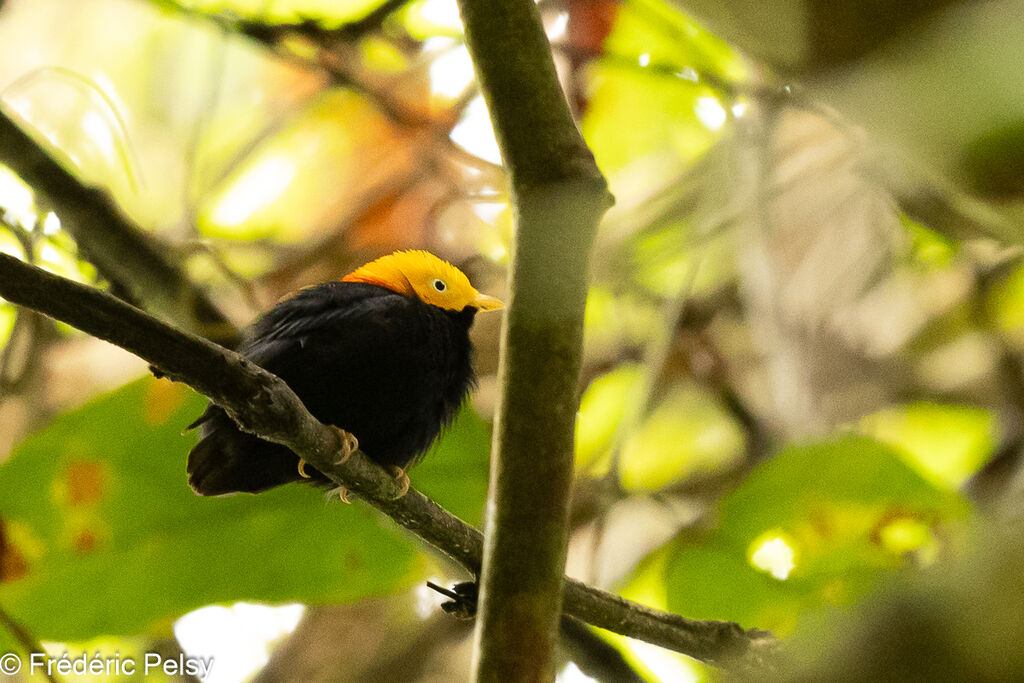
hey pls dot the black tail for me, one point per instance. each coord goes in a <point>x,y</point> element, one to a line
<point>227,460</point>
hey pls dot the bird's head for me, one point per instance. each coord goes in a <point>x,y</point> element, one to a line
<point>422,275</point>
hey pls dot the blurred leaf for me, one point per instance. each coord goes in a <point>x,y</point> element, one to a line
<point>646,97</point>
<point>665,258</point>
<point>958,622</point>
<point>604,406</point>
<point>125,648</point>
<point>58,254</point>
<point>249,260</point>
<point>289,186</point>
<point>9,244</point>
<point>617,322</point>
<point>329,12</point>
<point>1006,304</point>
<point>455,471</point>
<point>8,643</point>
<point>114,540</point>
<point>647,586</point>
<point>946,444</point>
<point>910,535</point>
<point>843,510</point>
<point>632,114</point>
<point>710,582</point>
<point>849,471</point>
<point>658,29</point>
<point>928,246</point>
<point>425,19</point>
<point>964,54</point>
<point>686,434</point>
<point>7,317</point>
<point>382,56</point>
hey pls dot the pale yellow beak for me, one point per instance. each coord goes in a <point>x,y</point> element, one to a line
<point>483,302</point>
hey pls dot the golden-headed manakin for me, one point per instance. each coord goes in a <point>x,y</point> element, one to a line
<point>383,355</point>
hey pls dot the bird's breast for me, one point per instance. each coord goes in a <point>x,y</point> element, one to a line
<point>393,377</point>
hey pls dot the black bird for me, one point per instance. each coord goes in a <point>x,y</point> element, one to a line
<point>383,355</point>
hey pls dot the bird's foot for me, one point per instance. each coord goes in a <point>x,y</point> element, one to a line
<point>462,598</point>
<point>341,492</point>
<point>401,478</point>
<point>349,444</point>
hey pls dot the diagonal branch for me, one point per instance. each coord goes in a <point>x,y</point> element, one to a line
<point>121,251</point>
<point>263,404</point>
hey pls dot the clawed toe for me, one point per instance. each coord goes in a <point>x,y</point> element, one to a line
<point>401,478</point>
<point>349,445</point>
<point>341,492</point>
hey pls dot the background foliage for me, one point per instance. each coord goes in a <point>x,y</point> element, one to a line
<point>802,392</point>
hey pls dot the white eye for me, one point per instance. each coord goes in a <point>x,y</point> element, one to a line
<point>439,285</point>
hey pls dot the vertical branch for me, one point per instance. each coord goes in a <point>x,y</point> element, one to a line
<point>558,197</point>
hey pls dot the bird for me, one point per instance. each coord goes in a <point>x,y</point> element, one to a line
<point>383,356</point>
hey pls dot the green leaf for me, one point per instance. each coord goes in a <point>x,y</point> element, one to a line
<point>328,12</point>
<point>614,322</point>
<point>946,444</point>
<point>645,98</point>
<point>1006,305</point>
<point>850,471</point>
<point>687,434</point>
<point>8,643</point>
<point>668,258</point>
<point>928,247</point>
<point>658,29</point>
<point>819,524</point>
<point>426,18</point>
<point>7,318</point>
<point>620,132</point>
<point>454,472</point>
<point>709,582</point>
<point>603,408</point>
<point>112,540</point>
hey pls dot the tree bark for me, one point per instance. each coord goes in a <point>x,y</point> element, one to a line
<point>558,198</point>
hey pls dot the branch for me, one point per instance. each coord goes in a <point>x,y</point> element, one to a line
<point>263,404</point>
<point>123,253</point>
<point>558,199</point>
